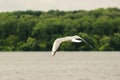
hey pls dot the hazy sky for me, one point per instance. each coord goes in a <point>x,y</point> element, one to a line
<point>45,5</point>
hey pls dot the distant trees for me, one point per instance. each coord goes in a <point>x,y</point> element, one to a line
<point>37,30</point>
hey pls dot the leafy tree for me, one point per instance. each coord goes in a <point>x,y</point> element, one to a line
<point>115,41</point>
<point>37,30</point>
<point>105,47</point>
<point>105,44</point>
<point>30,45</point>
<point>103,26</point>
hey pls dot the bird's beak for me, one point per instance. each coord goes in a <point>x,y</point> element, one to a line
<point>76,40</point>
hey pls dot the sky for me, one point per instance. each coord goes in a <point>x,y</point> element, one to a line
<point>65,5</point>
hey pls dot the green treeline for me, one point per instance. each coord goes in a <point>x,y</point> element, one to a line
<point>37,30</point>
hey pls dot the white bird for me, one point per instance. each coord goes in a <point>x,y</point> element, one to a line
<point>58,41</point>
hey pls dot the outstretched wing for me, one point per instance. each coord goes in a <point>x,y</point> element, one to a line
<point>56,45</point>
<point>86,42</point>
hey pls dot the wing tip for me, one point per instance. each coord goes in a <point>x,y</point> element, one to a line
<point>53,54</point>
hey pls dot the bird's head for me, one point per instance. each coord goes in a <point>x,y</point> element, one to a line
<point>76,39</point>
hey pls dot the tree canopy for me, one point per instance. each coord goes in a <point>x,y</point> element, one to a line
<point>37,30</point>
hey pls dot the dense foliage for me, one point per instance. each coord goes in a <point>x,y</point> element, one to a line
<point>37,30</point>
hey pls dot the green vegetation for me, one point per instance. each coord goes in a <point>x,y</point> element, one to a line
<point>37,30</point>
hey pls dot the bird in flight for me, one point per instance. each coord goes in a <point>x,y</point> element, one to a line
<point>58,41</point>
